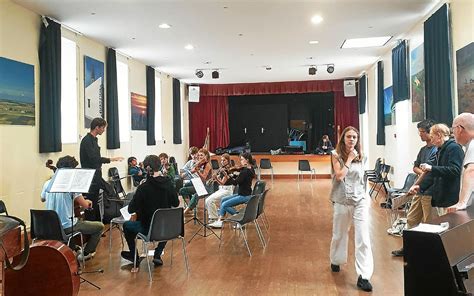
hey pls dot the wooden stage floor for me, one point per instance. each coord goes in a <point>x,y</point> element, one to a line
<point>295,262</point>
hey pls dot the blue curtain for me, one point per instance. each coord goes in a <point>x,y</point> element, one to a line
<point>49,52</point>
<point>176,112</point>
<point>113,128</point>
<point>438,67</point>
<point>401,88</point>
<point>380,105</point>
<point>362,93</point>
<point>150,106</point>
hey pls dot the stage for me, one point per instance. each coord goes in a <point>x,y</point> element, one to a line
<point>286,166</point>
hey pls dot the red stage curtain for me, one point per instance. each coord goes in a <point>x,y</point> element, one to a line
<point>212,112</point>
<point>266,88</point>
<point>345,112</point>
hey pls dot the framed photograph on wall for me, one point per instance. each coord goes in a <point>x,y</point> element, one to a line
<point>465,71</point>
<point>93,90</point>
<point>417,72</point>
<point>17,93</point>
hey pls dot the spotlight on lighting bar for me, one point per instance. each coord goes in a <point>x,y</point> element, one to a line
<point>312,70</point>
<point>330,69</point>
<point>215,74</point>
<point>199,74</point>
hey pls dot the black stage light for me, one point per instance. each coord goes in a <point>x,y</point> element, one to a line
<point>312,70</point>
<point>199,74</point>
<point>330,69</point>
<point>215,74</point>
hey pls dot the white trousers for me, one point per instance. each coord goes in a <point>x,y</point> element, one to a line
<point>342,218</point>
<point>215,198</point>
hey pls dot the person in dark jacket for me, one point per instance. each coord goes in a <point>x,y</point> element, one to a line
<point>445,176</point>
<point>156,193</point>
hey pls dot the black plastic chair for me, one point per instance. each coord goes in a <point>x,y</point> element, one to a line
<point>45,225</point>
<point>381,180</point>
<point>259,187</point>
<point>261,214</point>
<point>241,219</point>
<point>117,183</point>
<point>166,225</point>
<point>3,208</point>
<point>376,171</point>
<point>304,166</point>
<point>265,164</point>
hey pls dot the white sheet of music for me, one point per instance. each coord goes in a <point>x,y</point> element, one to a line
<point>199,186</point>
<point>72,180</point>
<point>125,214</point>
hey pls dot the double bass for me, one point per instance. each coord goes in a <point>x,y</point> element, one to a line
<point>51,270</point>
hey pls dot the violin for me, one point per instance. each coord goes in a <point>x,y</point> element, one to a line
<point>236,168</point>
<point>77,208</point>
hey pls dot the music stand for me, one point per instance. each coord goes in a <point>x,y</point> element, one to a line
<point>68,180</point>
<point>201,191</point>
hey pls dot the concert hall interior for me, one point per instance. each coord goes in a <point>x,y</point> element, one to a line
<point>125,89</point>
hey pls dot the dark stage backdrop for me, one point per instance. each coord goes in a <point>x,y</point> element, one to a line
<point>263,120</point>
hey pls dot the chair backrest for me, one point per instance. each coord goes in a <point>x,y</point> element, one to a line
<point>378,162</point>
<point>3,208</point>
<point>385,170</point>
<point>113,173</point>
<point>215,164</point>
<point>173,162</point>
<point>45,225</point>
<point>166,224</point>
<point>265,163</point>
<point>303,165</point>
<point>259,187</point>
<point>116,182</point>
<point>261,203</point>
<point>250,213</point>
<point>409,181</point>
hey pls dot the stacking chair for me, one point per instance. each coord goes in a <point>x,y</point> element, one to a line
<point>117,183</point>
<point>3,208</point>
<point>375,171</point>
<point>265,164</point>
<point>261,215</point>
<point>45,225</point>
<point>166,225</point>
<point>243,218</point>
<point>303,166</point>
<point>392,192</point>
<point>381,180</point>
<point>259,187</point>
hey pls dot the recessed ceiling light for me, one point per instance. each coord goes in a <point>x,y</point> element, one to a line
<point>240,35</point>
<point>314,42</point>
<point>164,26</point>
<point>207,63</point>
<point>366,42</point>
<point>225,7</point>
<point>310,58</point>
<point>133,38</point>
<point>317,19</point>
<point>189,47</point>
<point>92,13</point>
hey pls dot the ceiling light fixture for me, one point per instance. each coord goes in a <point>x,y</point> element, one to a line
<point>164,26</point>
<point>312,70</point>
<point>215,74</point>
<point>189,47</point>
<point>330,69</point>
<point>314,42</point>
<point>317,19</point>
<point>366,42</point>
<point>199,73</point>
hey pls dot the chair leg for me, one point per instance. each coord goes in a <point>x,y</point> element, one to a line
<point>245,240</point>
<point>259,233</point>
<point>185,255</point>
<point>265,221</point>
<point>135,267</point>
<point>272,174</point>
<point>171,255</point>
<point>222,234</point>
<point>82,246</point>
<point>145,249</point>
<point>111,227</point>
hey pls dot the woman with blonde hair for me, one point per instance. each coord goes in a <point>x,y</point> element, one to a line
<point>351,204</point>
<point>445,174</point>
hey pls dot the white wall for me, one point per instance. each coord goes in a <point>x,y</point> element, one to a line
<point>22,170</point>
<point>402,140</point>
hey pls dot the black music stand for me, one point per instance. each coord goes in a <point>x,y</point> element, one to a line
<point>201,191</point>
<point>74,180</point>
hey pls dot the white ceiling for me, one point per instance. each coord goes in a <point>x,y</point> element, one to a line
<point>274,33</point>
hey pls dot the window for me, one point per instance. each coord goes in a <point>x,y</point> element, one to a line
<point>69,124</point>
<point>123,101</point>
<point>158,116</point>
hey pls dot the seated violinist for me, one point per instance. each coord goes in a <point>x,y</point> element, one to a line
<point>136,170</point>
<point>156,192</point>
<point>225,189</point>
<point>63,204</point>
<point>204,170</point>
<point>185,172</point>
<point>166,168</point>
<point>244,180</point>
<point>324,146</point>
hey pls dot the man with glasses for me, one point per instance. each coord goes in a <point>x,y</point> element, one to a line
<point>463,130</point>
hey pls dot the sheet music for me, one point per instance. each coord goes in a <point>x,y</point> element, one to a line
<point>125,214</point>
<point>72,180</point>
<point>199,186</point>
<point>432,228</point>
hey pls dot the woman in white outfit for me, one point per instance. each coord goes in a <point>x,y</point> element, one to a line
<point>351,204</point>
<point>224,190</point>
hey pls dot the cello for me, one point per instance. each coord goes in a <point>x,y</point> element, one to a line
<point>51,270</point>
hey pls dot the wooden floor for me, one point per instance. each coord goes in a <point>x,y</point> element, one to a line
<point>295,262</point>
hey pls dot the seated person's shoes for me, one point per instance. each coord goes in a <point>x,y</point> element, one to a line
<point>335,268</point>
<point>157,261</point>
<point>81,256</point>
<point>127,255</point>
<point>363,284</point>
<point>216,224</point>
<point>398,253</point>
